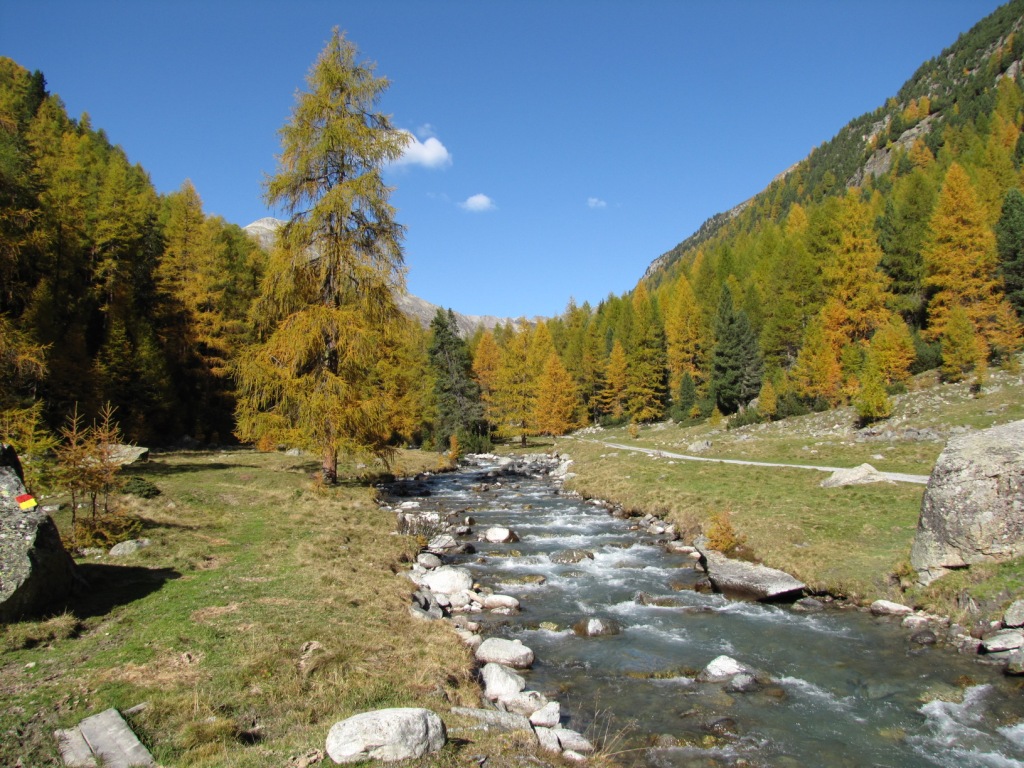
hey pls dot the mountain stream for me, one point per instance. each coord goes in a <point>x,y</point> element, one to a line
<point>843,688</point>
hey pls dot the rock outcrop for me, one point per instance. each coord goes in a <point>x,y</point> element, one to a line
<point>973,508</point>
<point>35,569</point>
<point>740,579</point>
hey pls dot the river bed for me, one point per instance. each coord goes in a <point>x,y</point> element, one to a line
<point>843,688</point>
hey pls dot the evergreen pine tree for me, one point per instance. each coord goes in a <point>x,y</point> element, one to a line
<point>736,361</point>
<point>1010,245</point>
<point>456,394</point>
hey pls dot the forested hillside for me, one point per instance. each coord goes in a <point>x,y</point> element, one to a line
<point>895,247</point>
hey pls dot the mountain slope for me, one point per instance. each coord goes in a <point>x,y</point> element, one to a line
<point>265,230</point>
<point>958,85</point>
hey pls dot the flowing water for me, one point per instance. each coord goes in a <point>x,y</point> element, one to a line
<point>847,689</point>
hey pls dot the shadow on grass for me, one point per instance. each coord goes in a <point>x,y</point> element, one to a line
<point>157,467</point>
<point>108,586</point>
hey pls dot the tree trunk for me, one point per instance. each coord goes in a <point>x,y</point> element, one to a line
<point>329,466</point>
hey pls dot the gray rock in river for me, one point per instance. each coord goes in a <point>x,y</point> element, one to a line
<point>973,508</point>
<point>595,627</point>
<point>569,556</point>
<point>740,579</point>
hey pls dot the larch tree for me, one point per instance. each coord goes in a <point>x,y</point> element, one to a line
<point>816,374</point>
<point>612,397</point>
<point>327,302</point>
<point>647,373</point>
<point>557,399</point>
<point>515,389</point>
<point>485,371</point>
<point>960,263</point>
<point>853,278</point>
<point>892,348</point>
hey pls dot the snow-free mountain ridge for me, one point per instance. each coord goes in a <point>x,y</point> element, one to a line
<point>265,230</point>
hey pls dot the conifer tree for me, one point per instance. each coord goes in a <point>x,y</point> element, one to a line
<point>684,336</point>
<point>902,230</point>
<point>768,400</point>
<point>961,263</point>
<point>872,401</point>
<point>327,301</point>
<point>962,348</point>
<point>515,389</point>
<point>557,399</point>
<point>736,360</point>
<point>1010,245</point>
<point>616,378</point>
<point>456,394</point>
<point>853,278</point>
<point>485,369</point>
<point>646,376</point>
<point>816,374</point>
<point>892,350</point>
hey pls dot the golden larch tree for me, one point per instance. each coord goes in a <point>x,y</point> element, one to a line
<point>327,306</point>
<point>557,399</point>
<point>961,268</point>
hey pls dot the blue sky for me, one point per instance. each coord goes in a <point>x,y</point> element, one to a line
<point>563,145</point>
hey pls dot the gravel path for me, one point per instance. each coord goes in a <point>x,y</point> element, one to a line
<point>896,477</point>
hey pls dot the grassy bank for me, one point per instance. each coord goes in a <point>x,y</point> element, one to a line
<point>265,610</point>
<point>853,541</point>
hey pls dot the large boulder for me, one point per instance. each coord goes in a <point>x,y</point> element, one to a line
<point>973,508</point>
<point>35,569</point>
<point>740,579</point>
<point>388,735</point>
<point>447,580</point>
<point>510,653</point>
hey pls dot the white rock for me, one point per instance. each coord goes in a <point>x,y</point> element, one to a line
<point>572,740</point>
<point>500,601</point>
<point>548,740</point>
<point>497,535</point>
<point>428,560</point>
<point>576,757</point>
<point>447,580</point>
<point>862,475</point>
<point>128,547</point>
<point>471,639</point>
<point>524,702</point>
<point>547,716</point>
<point>500,681</point>
<point>889,608</point>
<point>721,668</point>
<point>511,653</point>
<point>443,541</point>
<point>404,733</point>
<point>1014,616</point>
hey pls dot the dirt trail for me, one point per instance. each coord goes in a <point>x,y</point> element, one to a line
<point>896,477</point>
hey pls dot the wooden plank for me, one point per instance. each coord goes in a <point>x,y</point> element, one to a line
<point>110,739</point>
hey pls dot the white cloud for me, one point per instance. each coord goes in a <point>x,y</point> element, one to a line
<point>596,202</point>
<point>478,203</point>
<point>430,153</point>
